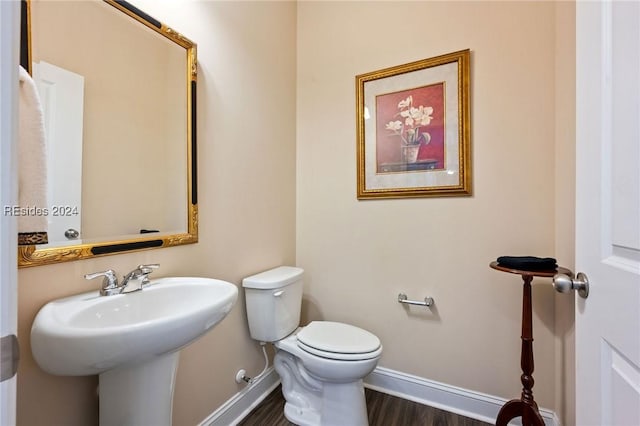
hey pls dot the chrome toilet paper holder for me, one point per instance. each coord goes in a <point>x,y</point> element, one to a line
<point>428,301</point>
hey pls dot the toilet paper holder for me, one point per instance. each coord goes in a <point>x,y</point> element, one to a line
<point>428,301</point>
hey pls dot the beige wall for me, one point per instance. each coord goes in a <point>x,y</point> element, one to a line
<point>359,255</point>
<point>246,148</point>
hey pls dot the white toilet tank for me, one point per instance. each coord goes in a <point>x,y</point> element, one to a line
<point>273,299</point>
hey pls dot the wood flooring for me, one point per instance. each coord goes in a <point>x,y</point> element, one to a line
<point>383,410</point>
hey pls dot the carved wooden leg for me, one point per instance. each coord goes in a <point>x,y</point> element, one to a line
<point>526,357</point>
<point>530,414</point>
<point>526,406</point>
<point>510,410</point>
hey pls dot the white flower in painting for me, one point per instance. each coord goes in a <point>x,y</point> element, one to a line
<point>396,126</point>
<point>408,121</point>
<point>425,116</point>
<point>405,103</point>
<point>414,118</point>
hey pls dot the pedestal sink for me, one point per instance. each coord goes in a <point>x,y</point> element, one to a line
<point>131,341</point>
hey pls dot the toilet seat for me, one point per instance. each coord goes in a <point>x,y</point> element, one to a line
<point>334,340</point>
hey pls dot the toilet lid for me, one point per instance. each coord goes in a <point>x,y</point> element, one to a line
<point>338,356</point>
<point>338,338</point>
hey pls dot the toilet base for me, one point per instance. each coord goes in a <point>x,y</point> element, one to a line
<point>301,416</point>
<point>311,402</point>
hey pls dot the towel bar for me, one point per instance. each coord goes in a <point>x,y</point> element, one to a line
<point>428,301</point>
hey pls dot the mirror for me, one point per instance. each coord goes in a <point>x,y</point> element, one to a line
<point>117,89</point>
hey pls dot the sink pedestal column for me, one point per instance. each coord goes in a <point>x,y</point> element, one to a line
<point>139,394</point>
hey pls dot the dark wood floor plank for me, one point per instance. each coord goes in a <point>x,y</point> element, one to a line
<point>269,412</point>
<point>382,409</point>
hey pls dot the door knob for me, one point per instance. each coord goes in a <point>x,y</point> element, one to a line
<point>563,283</point>
<point>71,234</point>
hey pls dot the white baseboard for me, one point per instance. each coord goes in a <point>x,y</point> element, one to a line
<point>475,405</point>
<point>239,405</point>
<point>460,401</point>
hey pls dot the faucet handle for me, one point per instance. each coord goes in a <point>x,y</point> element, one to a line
<point>147,269</point>
<point>109,282</point>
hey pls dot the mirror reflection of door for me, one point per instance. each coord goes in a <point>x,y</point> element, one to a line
<point>136,116</point>
<point>134,127</point>
<point>62,96</point>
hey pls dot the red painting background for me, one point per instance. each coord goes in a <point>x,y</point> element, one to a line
<point>388,143</point>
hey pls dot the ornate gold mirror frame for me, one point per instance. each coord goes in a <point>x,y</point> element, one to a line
<point>31,255</point>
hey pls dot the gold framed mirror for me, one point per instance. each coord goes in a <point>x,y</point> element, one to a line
<point>137,186</point>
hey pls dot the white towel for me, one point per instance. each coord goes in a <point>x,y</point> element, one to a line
<point>32,166</point>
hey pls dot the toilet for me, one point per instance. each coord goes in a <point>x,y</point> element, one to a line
<point>322,364</point>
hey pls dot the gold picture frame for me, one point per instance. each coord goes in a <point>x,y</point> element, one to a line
<point>413,129</point>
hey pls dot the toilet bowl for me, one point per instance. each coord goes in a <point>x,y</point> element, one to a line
<point>322,364</point>
<point>334,351</point>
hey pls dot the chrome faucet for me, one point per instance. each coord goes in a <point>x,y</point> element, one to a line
<point>110,284</point>
<point>140,274</point>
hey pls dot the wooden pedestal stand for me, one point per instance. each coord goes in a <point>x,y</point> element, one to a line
<point>525,407</point>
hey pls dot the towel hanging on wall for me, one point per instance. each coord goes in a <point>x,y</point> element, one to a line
<point>32,209</point>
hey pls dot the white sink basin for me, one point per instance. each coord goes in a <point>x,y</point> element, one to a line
<point>131,341</point>
<point>89,334</point>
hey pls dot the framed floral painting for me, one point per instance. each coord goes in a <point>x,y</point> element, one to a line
<point>413,129</point>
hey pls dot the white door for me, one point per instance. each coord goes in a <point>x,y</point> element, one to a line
<point>62,97</point>
<point>9,33</point>
<point>608,212</point>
